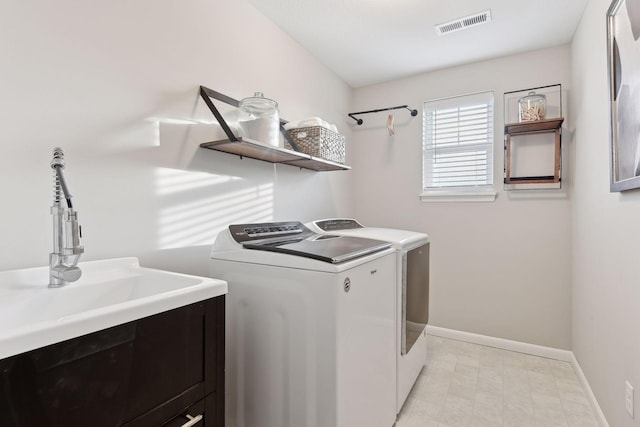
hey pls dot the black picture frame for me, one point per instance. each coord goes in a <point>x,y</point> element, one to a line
<point>623,51</point>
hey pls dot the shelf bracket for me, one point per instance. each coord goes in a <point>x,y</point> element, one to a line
<point>207,94</point>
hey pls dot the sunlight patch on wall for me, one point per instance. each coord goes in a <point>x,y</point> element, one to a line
<point>158,121</point>
<point>196,206</point>
<point>171,181</point>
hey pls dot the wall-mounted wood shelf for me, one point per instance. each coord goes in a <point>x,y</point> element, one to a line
<point>552,126</point>
<point>244,147</point>
<point>549,125</point>
<point>256,150</point>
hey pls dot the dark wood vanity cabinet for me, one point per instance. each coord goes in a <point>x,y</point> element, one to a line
<point>162,370</point>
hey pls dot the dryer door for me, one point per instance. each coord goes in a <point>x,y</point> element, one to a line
<point>415,294</point>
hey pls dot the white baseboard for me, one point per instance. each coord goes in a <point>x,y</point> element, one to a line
<point>587,388</point>
<point>522,347</point>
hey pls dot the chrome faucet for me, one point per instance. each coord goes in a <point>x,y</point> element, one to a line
<point>63,261</point>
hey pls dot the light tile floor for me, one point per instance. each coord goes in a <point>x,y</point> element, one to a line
<point>469,385</point>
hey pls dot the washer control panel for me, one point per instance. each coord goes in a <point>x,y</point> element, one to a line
<point>338,224</point>
<point>250,232</point>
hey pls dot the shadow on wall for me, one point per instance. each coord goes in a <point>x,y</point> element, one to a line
<point>197,206</point>
<point>196,203</point>
<point>196,193</point>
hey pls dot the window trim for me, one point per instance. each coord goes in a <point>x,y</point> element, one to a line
<point>479,193</point>
<point>466,195</point>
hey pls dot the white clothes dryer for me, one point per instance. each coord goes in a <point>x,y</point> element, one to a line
<point>412,297</point>
<point>310,327</point>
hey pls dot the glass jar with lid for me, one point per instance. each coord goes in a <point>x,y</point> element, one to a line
<point>532,107</point>
<point>259,119</point>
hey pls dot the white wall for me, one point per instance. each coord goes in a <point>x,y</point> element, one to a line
<point>501,269</point>
<point>107,81</point>
<point>606,279</point>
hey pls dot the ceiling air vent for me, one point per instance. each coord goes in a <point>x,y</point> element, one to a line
<point>463,23</point>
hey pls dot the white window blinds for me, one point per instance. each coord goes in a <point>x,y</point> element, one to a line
<point>458,143</point>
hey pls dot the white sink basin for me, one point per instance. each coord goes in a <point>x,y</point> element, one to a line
<point>109,293</point>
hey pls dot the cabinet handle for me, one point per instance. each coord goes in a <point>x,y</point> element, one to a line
<point>192,420</point>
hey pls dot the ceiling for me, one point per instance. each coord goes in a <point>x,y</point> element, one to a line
<point>372,41</point>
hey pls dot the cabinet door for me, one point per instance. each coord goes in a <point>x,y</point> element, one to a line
<point>79,382</point>
<point>178,360</point>
<point>138,374</point>
<point>168,365</point>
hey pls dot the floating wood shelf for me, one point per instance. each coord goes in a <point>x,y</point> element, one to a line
<point>531,128</point>
<point>550,125</point>
<point>256,150</point>
<point>244,147</point>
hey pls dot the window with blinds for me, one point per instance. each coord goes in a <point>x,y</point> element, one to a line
<point>458,143</point>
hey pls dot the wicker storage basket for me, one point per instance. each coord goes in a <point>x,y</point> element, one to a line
<point>319,141</point>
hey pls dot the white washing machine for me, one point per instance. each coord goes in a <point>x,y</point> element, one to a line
<point>310,338</point>
<point>412,297</point>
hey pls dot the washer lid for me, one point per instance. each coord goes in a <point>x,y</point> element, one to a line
<point>294,238</point>
<point>324,247</point>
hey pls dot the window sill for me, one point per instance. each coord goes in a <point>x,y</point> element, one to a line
<point>458,196</point>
